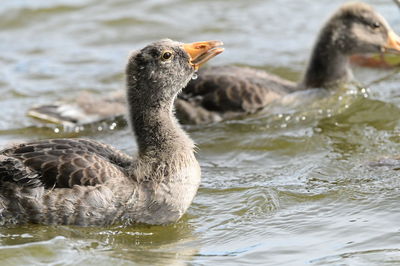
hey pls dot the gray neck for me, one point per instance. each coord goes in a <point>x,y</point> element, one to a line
<point>155,127</point>
<point>328,66</point>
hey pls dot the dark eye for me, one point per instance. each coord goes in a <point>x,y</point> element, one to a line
<point>375,25</point>
<point>166,55</point>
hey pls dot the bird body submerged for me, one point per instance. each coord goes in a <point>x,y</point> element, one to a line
<point>84,182</point>
<point>355,28</point>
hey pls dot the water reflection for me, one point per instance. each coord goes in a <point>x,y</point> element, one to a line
<point>172,244</point>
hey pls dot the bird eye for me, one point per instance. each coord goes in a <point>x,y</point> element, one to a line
<point>166,55</point>
<point>376,25</point>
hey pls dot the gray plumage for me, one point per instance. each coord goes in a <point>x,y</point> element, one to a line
<point>353,29</point>
<point>84,182</point>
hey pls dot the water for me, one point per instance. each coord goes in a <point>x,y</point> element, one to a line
<point>289,186</point>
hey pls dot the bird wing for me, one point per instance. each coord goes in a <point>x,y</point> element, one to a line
<point>62,163</point>
<point>236,89</point>
<point>87,108</point>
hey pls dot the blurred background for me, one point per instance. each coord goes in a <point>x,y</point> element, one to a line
<point>291,185</point>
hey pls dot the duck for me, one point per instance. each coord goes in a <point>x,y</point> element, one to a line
<point>225,92</point>
<point>355,28</point>
<point>87,183</point>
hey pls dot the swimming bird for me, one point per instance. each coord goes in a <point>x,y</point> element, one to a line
<point>355,28</point>
<point>84,182</point>
<point>226,91</point>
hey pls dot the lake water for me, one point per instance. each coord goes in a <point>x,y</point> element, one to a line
<point>289,186</point>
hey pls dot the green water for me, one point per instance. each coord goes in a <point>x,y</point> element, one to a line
<point>291,185</point>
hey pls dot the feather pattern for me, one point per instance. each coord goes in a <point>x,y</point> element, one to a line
<point>62,163</point>
<point>236,89</point>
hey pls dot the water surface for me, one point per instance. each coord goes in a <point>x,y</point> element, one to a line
<point>289,186</point>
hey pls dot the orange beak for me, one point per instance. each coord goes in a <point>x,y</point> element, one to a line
<point>201,52</point>
<point>393,43</point>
